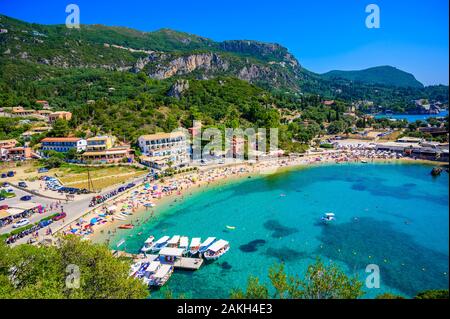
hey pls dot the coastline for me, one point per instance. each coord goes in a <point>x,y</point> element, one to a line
<point>103,233</point>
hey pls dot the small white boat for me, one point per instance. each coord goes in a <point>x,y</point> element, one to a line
<point>217,249</point>
<point>160,243</point>
<point>208,242</point>
<point>120,243</point>
<point>328,217</point>
<point>184,243</point>
<point>173,242</point>
<point>150,271</point>
<point>148,244</point>
<point>161,276</point>
<point>194,246</point>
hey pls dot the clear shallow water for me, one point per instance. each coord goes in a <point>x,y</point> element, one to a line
<point>411,117</point>
<point>393,215</point>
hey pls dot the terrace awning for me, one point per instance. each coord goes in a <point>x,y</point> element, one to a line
<point>173,252</point>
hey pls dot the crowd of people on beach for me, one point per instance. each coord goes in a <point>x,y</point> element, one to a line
<point>142,198</point>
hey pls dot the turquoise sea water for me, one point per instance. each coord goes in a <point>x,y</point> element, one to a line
<point>411,117</point>
<point>392,215</point>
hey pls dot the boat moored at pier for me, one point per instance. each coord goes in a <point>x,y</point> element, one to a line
<point>216,250</point>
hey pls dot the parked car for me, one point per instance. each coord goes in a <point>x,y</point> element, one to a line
<point>2,198</point>
<point>10,174</point>
<point>42,170</point>
<point>4,175</point>
<point>59,216</point>
<point>25,198</point>
<point>23,184</point>
<point>21,223</point>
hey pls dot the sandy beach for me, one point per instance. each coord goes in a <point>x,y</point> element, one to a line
<point>138,205</point>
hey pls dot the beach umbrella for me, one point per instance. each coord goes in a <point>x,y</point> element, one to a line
<point>155,187</point>
<point>94,220</point>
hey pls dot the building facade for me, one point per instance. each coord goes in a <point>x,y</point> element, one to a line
<point>60,115</point>
<point>101,149</point>
<point>63,144</point>
<point>165,148</point>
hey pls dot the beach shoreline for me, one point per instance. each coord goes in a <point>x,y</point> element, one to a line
<point>217,177</point>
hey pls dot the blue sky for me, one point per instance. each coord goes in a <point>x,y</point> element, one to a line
<point>323,35</point>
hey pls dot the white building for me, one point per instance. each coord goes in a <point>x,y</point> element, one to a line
<point>165,147</point>
<point>63,144</point>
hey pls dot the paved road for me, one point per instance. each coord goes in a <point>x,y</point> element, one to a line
<point>73,209</point>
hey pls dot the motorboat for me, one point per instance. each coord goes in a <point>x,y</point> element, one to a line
<point>160,243</point>
<point>184,243</point>
<point>161,276</point>
<point>204,246</point>
<point>173,242</point>
<point>328,217</point>
<point>194,246</point>
<point>216,250</point>
<point>150,271</point>
<point>126,226</point>
<point>148,244</point>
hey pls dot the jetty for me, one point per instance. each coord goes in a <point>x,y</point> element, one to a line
<point>185,263</point>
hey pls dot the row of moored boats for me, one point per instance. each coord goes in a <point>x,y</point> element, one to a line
<point>210,249</point>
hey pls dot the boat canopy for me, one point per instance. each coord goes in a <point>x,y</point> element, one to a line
<point>330,214</point>
<point>218,245</point>
<point>171,251</point>
<point>208,241</point>
<point>184,242</point>
<point>162,271</point>
<point>195,242</point>
<point>162,240</point>
<point>153,266</point>
<point>149,240</point>
<point>174,240</point>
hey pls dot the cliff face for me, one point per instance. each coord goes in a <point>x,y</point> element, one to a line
<point>166,66</point>
<point>283,74</point>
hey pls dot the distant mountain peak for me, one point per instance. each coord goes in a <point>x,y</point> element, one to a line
<point>385,74</point>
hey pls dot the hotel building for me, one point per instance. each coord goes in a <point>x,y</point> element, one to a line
<point>63,144</point>
<point>101,149</point>
<point>161,148</point>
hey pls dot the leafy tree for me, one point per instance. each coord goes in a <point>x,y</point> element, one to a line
<point>388,296</point>
<point>329,282</point>
<point>320,282</point>
<point>433,294</point>
<point>60,129</point>
<point>28,271</point>
<point>254,290</point>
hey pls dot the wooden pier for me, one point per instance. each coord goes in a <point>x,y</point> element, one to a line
<point>185,263</point>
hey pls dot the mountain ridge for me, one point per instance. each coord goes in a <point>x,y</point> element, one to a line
<point>167,53</point>
<point>384,74</point>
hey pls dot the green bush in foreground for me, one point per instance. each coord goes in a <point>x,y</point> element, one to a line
<point>28,271</point>
<point>433,294</point>
<point>320,282</point>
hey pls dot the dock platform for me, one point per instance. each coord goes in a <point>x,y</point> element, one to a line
<point>185,263</point>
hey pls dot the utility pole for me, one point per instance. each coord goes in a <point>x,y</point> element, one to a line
<point>90,183</point>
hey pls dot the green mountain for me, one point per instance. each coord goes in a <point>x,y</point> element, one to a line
<point>386,75</point>
<point>35,59</point>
